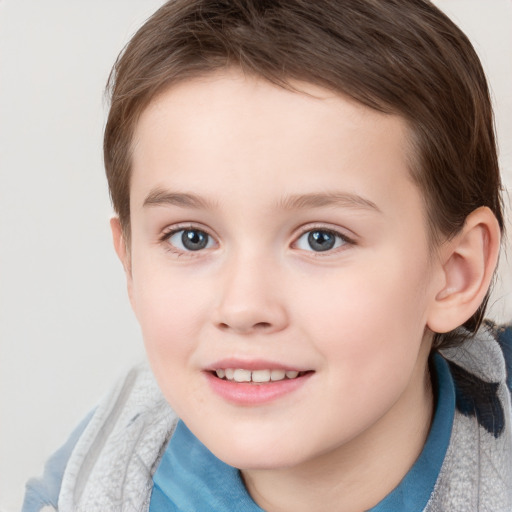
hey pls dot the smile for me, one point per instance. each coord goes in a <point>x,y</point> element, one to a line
<point>257,376</point>
<point>254,383</point>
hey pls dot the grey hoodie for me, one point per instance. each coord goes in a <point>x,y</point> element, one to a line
<point>109,461</point>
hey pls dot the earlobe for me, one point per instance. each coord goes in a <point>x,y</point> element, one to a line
<point>468,262</point>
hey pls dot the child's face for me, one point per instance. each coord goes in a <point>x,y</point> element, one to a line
<point>274,230</point>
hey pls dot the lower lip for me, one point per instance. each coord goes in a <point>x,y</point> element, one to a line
<point>247,393</point>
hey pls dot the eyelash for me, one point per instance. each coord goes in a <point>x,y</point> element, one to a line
<point>341,240</point>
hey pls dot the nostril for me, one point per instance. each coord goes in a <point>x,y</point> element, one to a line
<point>262,325</point>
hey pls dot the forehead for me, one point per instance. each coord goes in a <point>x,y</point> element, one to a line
<point>232,100</point>
<point>229,129</point>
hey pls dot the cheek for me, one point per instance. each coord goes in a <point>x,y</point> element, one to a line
<point>369,335</point>
<point>171,315</point>
<point>379,312</point>
<point>169,308</point>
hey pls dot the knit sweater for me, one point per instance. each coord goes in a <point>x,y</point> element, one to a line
<point>112,464</point>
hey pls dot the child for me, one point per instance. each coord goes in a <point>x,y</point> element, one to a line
<point>309,218</point>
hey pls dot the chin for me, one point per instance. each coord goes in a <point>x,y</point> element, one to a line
<point>262,455</point>
<point>259,461</point>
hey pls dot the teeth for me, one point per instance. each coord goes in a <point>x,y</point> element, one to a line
<point>242,375</point>
<point>277,374</point>
<point>261,375</point>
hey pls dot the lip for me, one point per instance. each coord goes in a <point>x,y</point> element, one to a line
<point>253,364</point>
<point>253,394</point>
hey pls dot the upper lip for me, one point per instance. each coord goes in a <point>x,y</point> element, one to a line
<point>253,364</point>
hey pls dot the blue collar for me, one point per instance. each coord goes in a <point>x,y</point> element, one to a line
<point>413,492</point>
<point>190,478</point>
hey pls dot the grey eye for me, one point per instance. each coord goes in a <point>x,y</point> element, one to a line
<point>320,240</point>
<point>190,240</point>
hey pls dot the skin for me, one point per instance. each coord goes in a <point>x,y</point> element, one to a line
<point>266,167</point>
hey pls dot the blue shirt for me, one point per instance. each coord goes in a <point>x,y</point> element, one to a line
<point>191,479</point>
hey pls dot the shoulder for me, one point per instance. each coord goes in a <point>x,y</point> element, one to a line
<point>476,473</point>
<point>42,494</point>
<point>485,354</point>
<point>503,335</point>
<point>481,370</point>
<point>131,422</point>
<point>113,462</point>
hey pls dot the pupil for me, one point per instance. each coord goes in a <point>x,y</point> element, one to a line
<point>321,240</point>
<point>194,240</point>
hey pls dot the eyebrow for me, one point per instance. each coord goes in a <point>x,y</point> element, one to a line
<point>319,200</point>
<point>160,197</point>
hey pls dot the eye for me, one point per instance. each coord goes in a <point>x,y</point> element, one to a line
<point>190,240</point>
<point>320,240</point>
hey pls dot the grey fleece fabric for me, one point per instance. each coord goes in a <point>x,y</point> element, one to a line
<point>477,471</point>
<point>112,464</point>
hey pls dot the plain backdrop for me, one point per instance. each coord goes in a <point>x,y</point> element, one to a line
<point>66,329</point>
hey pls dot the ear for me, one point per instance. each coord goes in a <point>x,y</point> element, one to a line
<point>122,251</point>
<point>467,265</point>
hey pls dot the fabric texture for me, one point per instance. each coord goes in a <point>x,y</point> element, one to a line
<point>43,494</point>
<point>477,472</point>
<point>111,466</point>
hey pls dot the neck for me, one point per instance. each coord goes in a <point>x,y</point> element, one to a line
<point>359,474</point>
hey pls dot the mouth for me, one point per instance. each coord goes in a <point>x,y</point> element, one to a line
<point>255,382</point>
<point>262,376</point>
<point>257,385</point>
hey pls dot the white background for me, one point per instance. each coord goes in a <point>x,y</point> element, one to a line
<point>66,330</point>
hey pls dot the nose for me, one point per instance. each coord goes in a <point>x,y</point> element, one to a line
<point>251,298</point>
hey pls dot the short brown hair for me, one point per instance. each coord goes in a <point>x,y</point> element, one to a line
<point>402,57</point>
